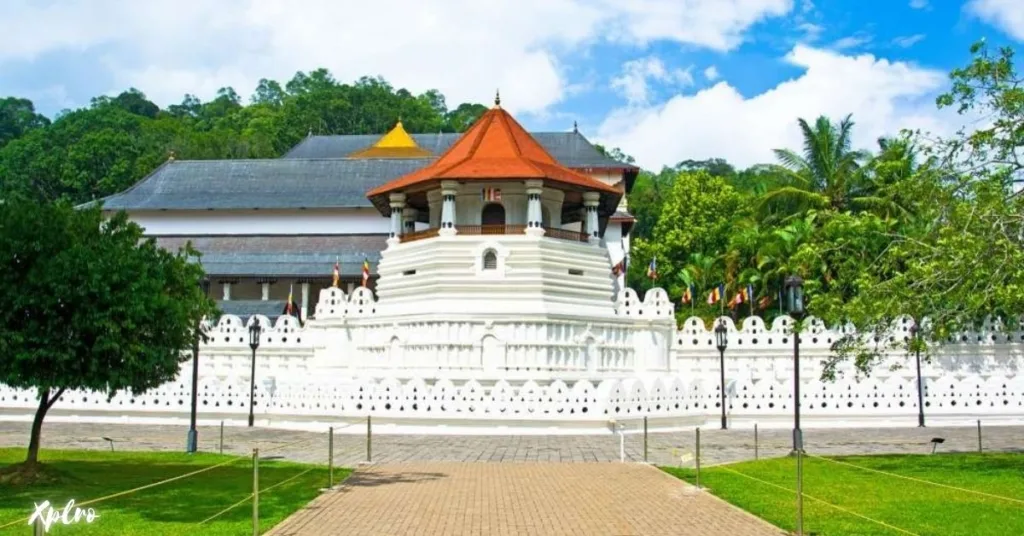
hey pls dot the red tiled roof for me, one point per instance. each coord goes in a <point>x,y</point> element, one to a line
<point>496,147</point>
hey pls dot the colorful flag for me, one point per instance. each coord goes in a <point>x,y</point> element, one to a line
<point>491,194</point>
<point>688,295</point>
<point>764,302</point>
<point>737,299</point>
<point>619,268</point>
<point>716,294</point>
<point>652,269</point>
<point>288,310</point>
<point>337,274</point>
<point>366,271</point>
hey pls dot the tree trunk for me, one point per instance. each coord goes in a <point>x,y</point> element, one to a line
<point>45,402</point>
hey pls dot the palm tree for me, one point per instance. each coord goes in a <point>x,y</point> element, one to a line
<point>826,175</point>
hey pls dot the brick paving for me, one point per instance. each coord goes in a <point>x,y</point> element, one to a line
<point>531,498</point>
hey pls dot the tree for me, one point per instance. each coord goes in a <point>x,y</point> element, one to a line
<point>17,117</point>
<point>824,175</point>
<point>90,304</point>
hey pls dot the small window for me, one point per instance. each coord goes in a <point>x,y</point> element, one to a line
<point>490,260</point>
<point>409,272</point>
<point>573,271</point>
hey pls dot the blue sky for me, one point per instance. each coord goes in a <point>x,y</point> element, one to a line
<point>663,79</point>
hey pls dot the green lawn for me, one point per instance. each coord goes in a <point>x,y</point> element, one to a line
<point>915,507</point>
<point>168,509</point>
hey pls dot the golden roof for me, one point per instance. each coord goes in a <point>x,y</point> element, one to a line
<point>395,144</point>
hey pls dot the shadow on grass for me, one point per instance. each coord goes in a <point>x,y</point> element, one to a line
<point>189,500</point>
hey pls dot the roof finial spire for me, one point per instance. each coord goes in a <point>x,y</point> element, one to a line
<point>497,98</point>
<point>575,127</point>
<point>170,154</point>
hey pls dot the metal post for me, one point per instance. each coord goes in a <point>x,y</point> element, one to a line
<point>721,367</point>
<point>645,438</point>
<point>330,458</point>
<point>252,386</point>
<point>797,436</point>
<point>193,434</point>
<point>222,437</point>
<point>38,529</point>
<point>979,435</point>
<point>369,441</point>
<point>256,492</point>
<point>755,441</point>
<point>920,384</point>
<point>799,492</point>
<point>697,458</point>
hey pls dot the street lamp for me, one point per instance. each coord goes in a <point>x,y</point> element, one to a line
<point>254,343</point>
<point>721,337</point>
<point>193,434</point>
<point>916,333</point>
<point>795,306</point>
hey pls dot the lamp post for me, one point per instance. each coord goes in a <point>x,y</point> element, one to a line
<point>916,333</point>
<point>193,434</point>
<point>795,306</point>
<point>721,337</point>
<point>254,343</point>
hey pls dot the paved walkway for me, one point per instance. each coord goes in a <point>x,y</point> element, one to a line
<point>548,499</point>
<point>717,446</point>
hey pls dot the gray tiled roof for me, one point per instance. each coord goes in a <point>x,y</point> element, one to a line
<point>266,184</point>
<point>289,256</point>
<point>571,149</point>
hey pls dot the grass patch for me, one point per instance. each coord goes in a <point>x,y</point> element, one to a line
<point>175,508</point>
<point>915,507</point>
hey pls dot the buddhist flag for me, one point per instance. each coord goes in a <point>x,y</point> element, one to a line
<point>619,268</point>
<point>337,274</point>
<point>688,295</point>
<point>652,269</point>
<point>716,294</point>
<point>764,302</point>
<point>288,310</point>
<point>491,194</point>
<point>366,271</point>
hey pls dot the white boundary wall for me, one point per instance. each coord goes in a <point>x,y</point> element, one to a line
<point>535,375</point>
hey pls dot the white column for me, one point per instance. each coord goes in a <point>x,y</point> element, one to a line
<point>534,214</point>
<point>409,216</point>
<point>305,301</point>
<point>351,287</point>
<point>266,290</point>
<point>227,290</point>
<point>449,189</point>
<point>397,204</point>
<point>590,201</point>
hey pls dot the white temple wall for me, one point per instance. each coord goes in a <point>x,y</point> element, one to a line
<point>352,361</point>
<point>262,222</point>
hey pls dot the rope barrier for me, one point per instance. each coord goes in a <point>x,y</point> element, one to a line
<point>228,509</point>
<point>914,479</point>
<point>841,509</point>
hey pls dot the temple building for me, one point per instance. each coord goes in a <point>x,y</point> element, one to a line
<point>270,228</point>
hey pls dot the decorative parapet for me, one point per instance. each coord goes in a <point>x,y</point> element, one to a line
<point>656,304</point>
<point>233,333</point>
<point>333,303</point>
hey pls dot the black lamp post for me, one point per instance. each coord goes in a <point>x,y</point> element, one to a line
<point>916,333</point>
<point>721,337</point>
<point>193,434</point>
<point>254,343</point>
<point>795,306</point>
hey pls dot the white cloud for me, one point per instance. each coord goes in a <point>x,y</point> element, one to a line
<point>851,41</point>
<point>1007,15</point>
<point>634,82</point>
<point>883,97</point>
<point>465,48</point>
<point>918,4</point>
<point>811,31</point>
<point>711,73</point>
<point>908,41</point>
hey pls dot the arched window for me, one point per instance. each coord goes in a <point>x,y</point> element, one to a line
<point>490,260</point>
<point>493,214</point>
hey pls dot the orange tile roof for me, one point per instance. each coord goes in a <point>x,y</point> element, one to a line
<point>496,147</point>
